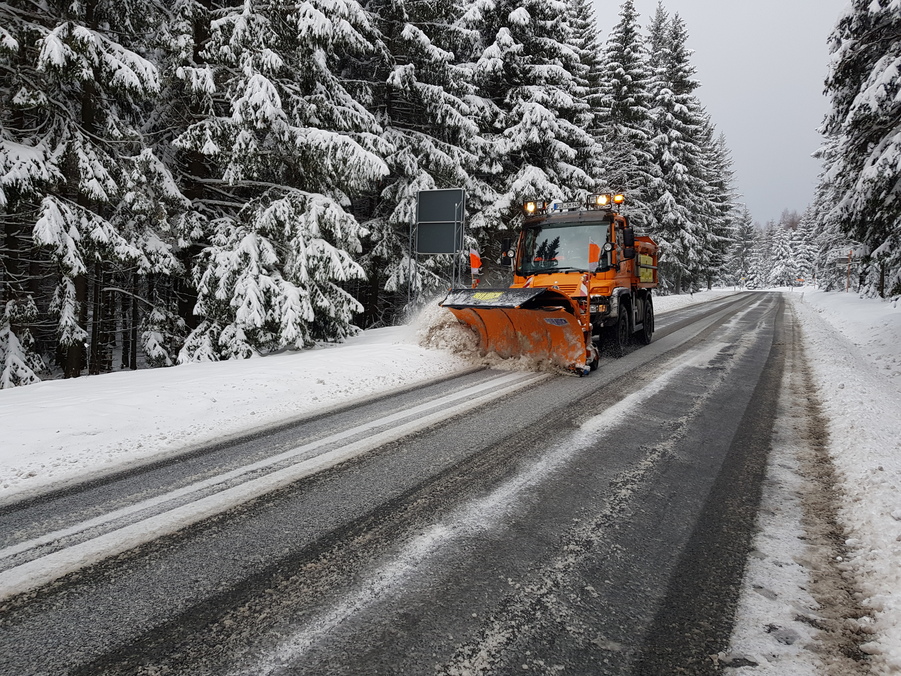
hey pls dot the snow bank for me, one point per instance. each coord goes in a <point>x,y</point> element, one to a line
<point>854,348</point>
<point>57,430</point>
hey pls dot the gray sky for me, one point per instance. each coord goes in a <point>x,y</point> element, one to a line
<point>761,65</point>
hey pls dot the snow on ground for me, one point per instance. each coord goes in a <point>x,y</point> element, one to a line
<point>59,430</point>
<point>852,347</point>
<point>62,430</point>
<point>855,349</point>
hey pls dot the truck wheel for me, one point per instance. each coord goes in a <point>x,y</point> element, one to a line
<point>644,336</point>
<point>618,335</point>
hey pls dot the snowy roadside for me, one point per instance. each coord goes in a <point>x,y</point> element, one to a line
<point>61,430</point>
<point>855,362</point>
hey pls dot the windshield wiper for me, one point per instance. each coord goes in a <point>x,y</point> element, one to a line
<point>550,271</point>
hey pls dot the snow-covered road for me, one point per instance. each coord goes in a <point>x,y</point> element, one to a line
<point>506,515</point>
<point>39,560</point>
<point>59,432</point>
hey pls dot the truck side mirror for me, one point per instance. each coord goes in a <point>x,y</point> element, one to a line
<point>628,243</point>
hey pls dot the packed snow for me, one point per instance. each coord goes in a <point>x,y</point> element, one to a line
<point>61,431</point>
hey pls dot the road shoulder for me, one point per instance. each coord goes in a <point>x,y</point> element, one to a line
<point>799,611</point>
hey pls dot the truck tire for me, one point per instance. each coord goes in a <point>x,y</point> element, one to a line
<point>646,333</point>
<point>618,336</point>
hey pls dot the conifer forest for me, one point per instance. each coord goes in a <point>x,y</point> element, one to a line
<point>190,180</point>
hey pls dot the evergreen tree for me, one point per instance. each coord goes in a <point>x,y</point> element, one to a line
<point>19,362</point>
<point>803,242</point>
<point>292,141</point>
<point>625,114</point>
<point>740,257</point>
<point>832,244</point>
<point>27,169</point>
<point>762,258</point>
<point>532,116</point>
<point>783,270</point>
<point>717,204</point>
<point>658,38</point>
<point>864,84</point>
<point>81,78</point>
<point>418,95</point>
<point>679,128</point>
<point>589,76</point>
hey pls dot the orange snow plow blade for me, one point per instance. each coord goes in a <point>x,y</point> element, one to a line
<point>539,323</point>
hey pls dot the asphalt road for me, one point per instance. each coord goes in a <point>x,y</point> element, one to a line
<point>488,524</point>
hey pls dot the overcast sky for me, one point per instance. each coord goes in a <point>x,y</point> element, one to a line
<point>761,65</point>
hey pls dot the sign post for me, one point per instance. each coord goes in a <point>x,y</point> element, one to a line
<point>439,226</point>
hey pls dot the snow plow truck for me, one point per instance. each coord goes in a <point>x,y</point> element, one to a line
<point>582,284</point>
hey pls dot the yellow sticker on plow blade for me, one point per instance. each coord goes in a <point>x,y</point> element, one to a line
<point>487,295</point>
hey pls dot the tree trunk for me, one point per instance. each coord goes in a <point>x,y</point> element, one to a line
<point>10,283</point>
<point>127,319</point>
<point>75,354</point>
<point>135,320</point>
<point>96,353</point>
<point>185,291</point>
<point>197,170</point>
<point>372,311</point>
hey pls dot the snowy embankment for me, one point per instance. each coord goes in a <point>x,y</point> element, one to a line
<point>854,346</point>
<point>62,430</point>
<point>853,352</point>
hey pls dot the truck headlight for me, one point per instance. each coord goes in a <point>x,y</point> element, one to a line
<point>600,305</point>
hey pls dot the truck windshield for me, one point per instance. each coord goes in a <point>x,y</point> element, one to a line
<point>562,247</point>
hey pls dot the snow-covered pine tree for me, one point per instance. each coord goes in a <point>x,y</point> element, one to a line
<point>783,270</point>
<point>658,37</point>
<point>803,243</point>
<point>679,125</point>
<point>156,217</point>
<point>533,118</point>
<point>27,169</point>
<point>20,364</point>
<point>418,96</point>
<point>293,141</point>
<point>864,83</point>
<point>84,77</point>
<point>739,263</point>
<point>162,312</point>
<point>832,244</point>
<point>625,116</point>
<point>716,205</point>
<point>588,75</point>
<point>762,257</point>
